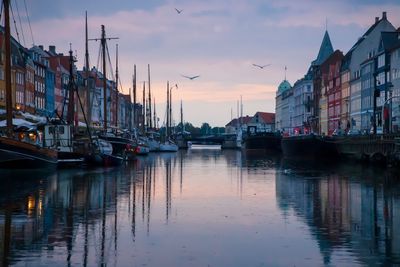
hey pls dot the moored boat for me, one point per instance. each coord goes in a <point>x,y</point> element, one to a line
<point>308,147</point>
<point>16,153</point>
<point>266,141</point>
<point>20,147</point>
<point>168,146</point>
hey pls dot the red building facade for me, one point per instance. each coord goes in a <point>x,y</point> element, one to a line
<point>331,78</point>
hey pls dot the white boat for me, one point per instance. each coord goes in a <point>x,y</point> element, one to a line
<point>201,146</point>
<point>168,146</point>
<point>142,147</point>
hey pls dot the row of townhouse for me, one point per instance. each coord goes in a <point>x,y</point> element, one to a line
<point>358,90</point>
<point>41,86</point>
<point>260,122</point>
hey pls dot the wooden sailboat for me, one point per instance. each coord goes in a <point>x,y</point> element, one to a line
<point>168,145</point>
<point>21,147</point>
<point>120,145</point>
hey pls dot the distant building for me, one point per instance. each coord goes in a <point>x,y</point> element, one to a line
<point>263,121</point>
<point>238,123</point>
<point>284,107</point>
<point>302,110</point>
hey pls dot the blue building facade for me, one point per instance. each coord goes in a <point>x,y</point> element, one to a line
<point>50,98</point>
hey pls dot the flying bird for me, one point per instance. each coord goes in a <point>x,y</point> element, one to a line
<point>178,11</point>
<point>261,66</point>
<point>191,77</point>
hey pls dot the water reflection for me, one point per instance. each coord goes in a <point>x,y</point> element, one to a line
<point>200,208</point>
<point>356,208</point>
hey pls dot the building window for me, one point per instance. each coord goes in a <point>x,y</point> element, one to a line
<point>381,61</point>
<point>380,78</point>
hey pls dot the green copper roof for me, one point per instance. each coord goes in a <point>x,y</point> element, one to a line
<point>284,86</point>
<point>325,50</point>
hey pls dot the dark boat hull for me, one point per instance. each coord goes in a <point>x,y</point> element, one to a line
<point>104,160</point>
<point>119,145</point>
<point>267,142</point>
<point>70,159</point>
<point>309,147</point>
<point>21,155</point>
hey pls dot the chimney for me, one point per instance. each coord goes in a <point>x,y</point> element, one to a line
<point>41,47</point>
<point>384,15</point>
<point>52,49</point>
<point>376,20</point>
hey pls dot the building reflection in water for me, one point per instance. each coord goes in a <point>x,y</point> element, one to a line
<point>355,208</point>
<point>74,216</point>
<point>105,216</point>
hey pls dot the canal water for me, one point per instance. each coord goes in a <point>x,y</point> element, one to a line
<point>202,208</point>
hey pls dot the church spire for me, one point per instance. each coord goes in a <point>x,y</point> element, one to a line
<point>325,50</point>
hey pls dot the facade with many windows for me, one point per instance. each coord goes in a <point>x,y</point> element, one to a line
<point>362,70</point>
<point>395,82</point>
<point>345,95</point>
<point>302,110</point>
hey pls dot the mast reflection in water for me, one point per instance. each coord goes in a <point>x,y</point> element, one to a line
<point>200,208</point>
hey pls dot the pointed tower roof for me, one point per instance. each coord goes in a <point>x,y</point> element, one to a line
<point>325,50</point>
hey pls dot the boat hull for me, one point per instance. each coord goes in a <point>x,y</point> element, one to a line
<point>104,160</point>
<point>168,147</point>
<point>21,155</point>
<point>267,142</point>
<point>309,147</point>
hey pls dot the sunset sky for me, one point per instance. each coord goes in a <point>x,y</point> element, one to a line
<point>216,39</point>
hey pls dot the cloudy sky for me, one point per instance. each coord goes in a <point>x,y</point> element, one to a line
<point>216,39</point>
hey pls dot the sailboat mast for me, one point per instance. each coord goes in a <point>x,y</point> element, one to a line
<point>9,108</point>
<point>103,49</point>
<point>71,89</point>
<point>150,119</point>
<point>181,118</point>
<point>116,89</point>
<point>167,126</point>
<point>154,113</point>
<point>88,104</point>
<point>170,110</point>
<point>134,97</point>
<point>241,111</point>
<point>144,107</point>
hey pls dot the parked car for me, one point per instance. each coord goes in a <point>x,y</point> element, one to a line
<point>354,132</point>
<point>379,130</point>
<point>338,132</point>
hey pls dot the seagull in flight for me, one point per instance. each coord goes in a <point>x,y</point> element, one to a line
<point>178,11</point>
<point>261,66</point>
<point>191,77</point>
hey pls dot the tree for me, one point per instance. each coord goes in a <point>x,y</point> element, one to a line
<point>205,128</point>
<point>218,130</point>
